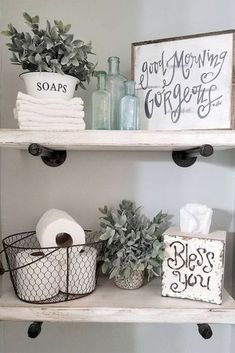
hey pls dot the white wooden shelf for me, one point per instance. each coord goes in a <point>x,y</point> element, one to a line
<point>111,304</point>
<point>119,140</point>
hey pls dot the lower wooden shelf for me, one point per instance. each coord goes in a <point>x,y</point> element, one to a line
<point>111,304</point>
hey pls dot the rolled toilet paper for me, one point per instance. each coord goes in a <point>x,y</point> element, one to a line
<point>58,228</point>
<point>195,218</point>
<point>82,271</point>
<point>38,280</point>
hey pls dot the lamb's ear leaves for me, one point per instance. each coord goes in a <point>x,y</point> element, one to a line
<point>61,26</point>
<point>35,19</point>
<point>14,59</point>
<point>38,58</point>
<point>12,29</point>
<point>82,85</point>
<point>102,210</point>
<point>105,236</point>
<point>6,33</point>
<point>64,60</point>
<point>27,17</point>
<point>67,28</point>
<point>105,267</point>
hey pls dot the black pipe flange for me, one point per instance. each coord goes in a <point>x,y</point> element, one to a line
<point>205,331</point>
<point>34,329</point>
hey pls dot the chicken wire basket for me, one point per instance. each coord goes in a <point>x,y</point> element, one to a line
<point>55,274</point>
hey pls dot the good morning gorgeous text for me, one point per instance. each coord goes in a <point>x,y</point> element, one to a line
<point>190,268</point>
<point>173,96</point>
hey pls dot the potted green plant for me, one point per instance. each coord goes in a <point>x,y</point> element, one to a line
<point>54,61</point>
<point>134,244</point>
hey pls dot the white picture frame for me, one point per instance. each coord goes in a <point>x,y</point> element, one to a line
<point>185,83</point>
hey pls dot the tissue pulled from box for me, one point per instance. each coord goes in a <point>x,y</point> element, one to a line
<point>195,218</point>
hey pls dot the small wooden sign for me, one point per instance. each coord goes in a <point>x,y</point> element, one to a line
<point>185,82</point>
<point>193,266</point>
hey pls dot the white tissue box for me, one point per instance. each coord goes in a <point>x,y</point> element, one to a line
<point>193,266</point>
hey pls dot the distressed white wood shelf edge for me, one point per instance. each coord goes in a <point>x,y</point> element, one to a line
<point>118,140</point>
<point>111,304</point>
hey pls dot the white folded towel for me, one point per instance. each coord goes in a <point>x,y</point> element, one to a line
<point>53,112</point>
<point>43,101</point>
<point>48,120</point>
<point>24,105</point>
<point>30,126</point>
<point>37,116</point>
<point>52,128</point>
<point>41,123</point>
<point>49,114</point>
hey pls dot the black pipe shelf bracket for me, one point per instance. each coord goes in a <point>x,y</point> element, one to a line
<point>34,329</point>
<point>188,157</point>
<point>205,331</point>
<point>52,158</point>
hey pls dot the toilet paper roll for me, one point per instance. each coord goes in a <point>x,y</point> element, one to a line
<point>58,228</point>
<point>38,280</point>
<point>82,271</point>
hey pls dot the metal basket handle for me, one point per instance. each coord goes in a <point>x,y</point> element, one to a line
<point>5,247</point>
<point>3,270</point>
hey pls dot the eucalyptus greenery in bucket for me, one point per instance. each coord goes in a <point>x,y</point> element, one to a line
<point>134,244</point>
<point>53,59</point>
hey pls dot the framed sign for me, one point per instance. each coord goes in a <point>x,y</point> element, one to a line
<point>193,266</point>
<point>185,82</point>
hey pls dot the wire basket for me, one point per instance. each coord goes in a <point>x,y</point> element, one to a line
<point>55,274</point>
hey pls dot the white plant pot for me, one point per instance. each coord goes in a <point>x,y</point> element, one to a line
<point>49,85</point>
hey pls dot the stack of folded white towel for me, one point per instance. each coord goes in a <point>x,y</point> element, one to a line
<point>49,114</point>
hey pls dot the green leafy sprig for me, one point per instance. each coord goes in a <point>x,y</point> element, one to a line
<point>134,243</point>
<point>52,49</point>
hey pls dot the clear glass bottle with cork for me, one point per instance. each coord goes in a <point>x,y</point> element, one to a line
<point>115,86</point>
<point>101,104</point>
<point>129,108</point>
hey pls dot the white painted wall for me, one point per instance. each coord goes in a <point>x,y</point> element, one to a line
<point>89,179</point>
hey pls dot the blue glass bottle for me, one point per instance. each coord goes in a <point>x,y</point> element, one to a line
<point>101,104</point>
<point>115,86</point>
<point>129,108</point>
